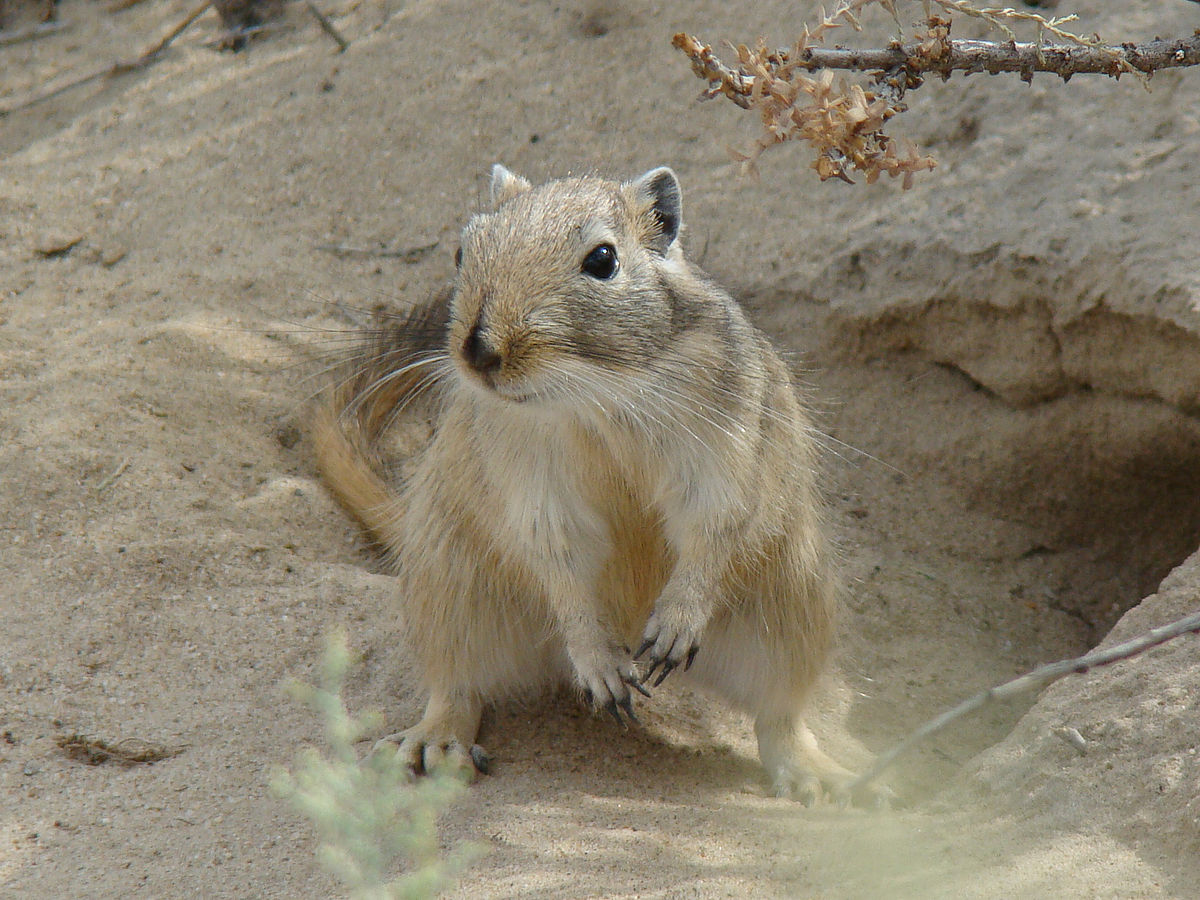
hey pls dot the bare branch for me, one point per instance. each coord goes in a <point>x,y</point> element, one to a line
<point>1032,681</point>
<point>845,123</point>
<point>945,57</point>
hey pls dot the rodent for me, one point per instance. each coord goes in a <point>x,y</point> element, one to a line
<point>619,459</point>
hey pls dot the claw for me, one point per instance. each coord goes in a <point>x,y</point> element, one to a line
<point>691,656</point>
<point>635,684</point>
<point>646,645</point>
<point>481,761</point>
<point>667,668</point>
<point>588,697</point>
<point>627,705</point>
<point>611,706</point>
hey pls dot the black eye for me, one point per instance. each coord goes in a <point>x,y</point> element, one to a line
<point>458,258</point>
<point>601,262</point>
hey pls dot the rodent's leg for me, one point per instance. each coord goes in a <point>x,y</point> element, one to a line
<point>603,669</point>
<point>672,633</point>
<point>689,598</point>
<point>445,736</point>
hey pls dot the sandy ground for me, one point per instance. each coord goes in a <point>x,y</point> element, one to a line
<point>1005,360</point>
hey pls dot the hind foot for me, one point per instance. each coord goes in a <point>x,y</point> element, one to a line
<point>423,754</point>
<point>443,739</point>
<point>805,784</point>
<point>800,770</point>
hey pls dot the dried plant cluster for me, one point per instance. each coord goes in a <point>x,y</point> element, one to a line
<point>798,96</point>
<point>844,122</point>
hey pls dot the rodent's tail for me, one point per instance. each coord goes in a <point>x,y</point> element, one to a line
<point>347,469</point>
<point>396,363</point>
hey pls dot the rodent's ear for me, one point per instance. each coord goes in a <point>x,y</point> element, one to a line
<point>658,192</point>
<point>506,185</point>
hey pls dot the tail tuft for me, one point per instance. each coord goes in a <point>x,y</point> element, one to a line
<point>396,363</point>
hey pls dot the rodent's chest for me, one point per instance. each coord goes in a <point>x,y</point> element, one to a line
<point>563,494</point>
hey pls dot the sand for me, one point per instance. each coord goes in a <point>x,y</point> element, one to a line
<point>1004,359</point>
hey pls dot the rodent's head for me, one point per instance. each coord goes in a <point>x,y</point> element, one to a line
<point>562,285</point>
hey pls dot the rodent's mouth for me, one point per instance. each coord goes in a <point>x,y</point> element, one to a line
<point>517,397</point>
<point>500,389</point>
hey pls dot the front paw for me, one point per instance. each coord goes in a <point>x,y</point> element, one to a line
<point>671,642</point>
<point>606,679</point>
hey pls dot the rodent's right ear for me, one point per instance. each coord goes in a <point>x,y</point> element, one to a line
<point>506,185</point>
<point>658,193</point>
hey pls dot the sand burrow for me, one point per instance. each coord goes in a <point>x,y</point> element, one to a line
<point>1079,439</point>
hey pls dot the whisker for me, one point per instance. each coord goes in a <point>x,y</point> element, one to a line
<point>362,395</point>
<point>429,381</point>
<point>686,374</point>
<point>663,400</point>
<point>605,389</point>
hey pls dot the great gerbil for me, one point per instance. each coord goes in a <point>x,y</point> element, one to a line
<point>619,460</point>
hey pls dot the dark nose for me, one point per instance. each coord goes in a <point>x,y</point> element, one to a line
<point>480,355</point>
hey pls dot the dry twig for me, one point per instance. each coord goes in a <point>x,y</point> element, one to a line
<point>945,57</point>
<point>1032,681</point>
<point>32,33</point>
<point>110,480</point>
<point>327,26</point>
<point>128,752</point>
<point>406,254</point>
<point>118,68</point>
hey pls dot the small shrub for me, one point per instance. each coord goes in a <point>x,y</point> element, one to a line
<point>372,816</point>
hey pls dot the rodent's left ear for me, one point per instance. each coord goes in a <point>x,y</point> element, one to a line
<point>658,193</point>
<point>506,185</point>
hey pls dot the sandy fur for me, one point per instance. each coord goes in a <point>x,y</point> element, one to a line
<point>573,503</point>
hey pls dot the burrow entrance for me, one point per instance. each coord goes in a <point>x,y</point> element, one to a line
<point>990,528</point>
<point>1083,438</point>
